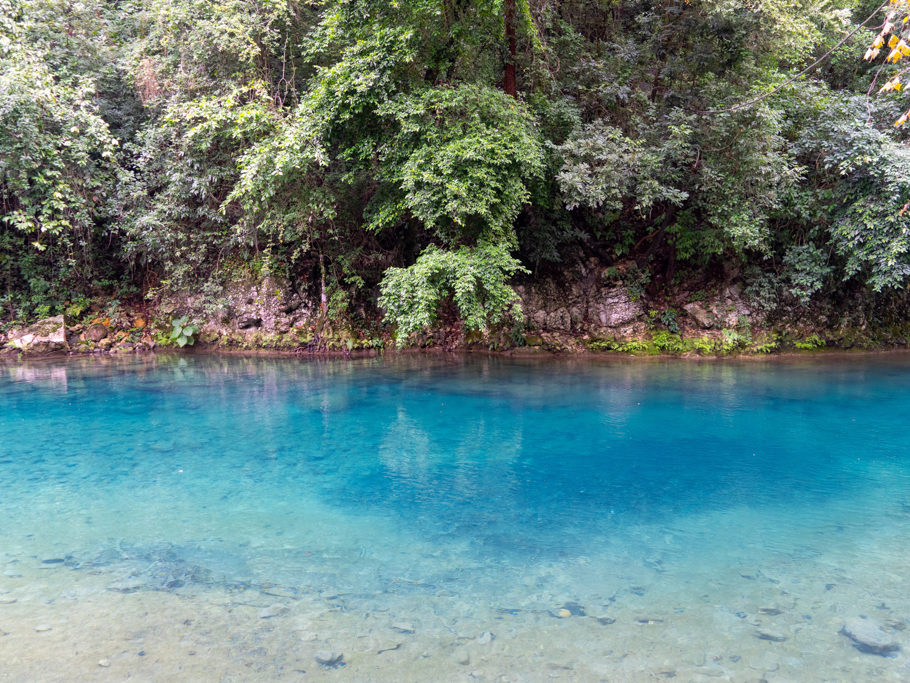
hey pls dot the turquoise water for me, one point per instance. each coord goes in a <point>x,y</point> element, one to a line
<point>487,517</point>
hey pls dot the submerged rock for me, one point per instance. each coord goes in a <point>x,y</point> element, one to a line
<point>461,657</point>
<point>273,611</point>
<point>869,637</point>
<point>129,585</point>
<point>485,638</point>
<point>574,609</point>
<point>329,658</point>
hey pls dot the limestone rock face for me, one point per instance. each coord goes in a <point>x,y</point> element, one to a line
<point>268,306</point>
<point>727,309</point>
<point>700,315</point>
<point>580,304</point>
<point>612,307</point>
<point>247,309</point>
<point>45,336</point>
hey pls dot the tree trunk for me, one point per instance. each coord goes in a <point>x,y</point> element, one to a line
<point>508,80</point>
<point>323,299</point>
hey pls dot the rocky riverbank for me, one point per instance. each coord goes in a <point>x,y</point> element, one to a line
<point>590,309</point>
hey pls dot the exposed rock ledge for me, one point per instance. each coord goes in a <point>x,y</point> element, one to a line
<point>45,336</point>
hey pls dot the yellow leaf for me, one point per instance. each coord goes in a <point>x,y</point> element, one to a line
<point>892,41</point>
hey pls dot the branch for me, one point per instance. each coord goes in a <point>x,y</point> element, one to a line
<point>759,98</point>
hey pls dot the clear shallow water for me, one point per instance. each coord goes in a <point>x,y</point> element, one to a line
<point>437,518</point>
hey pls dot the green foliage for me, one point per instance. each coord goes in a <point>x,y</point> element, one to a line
<point>703,345</point>
<point>669,318</point>
<point>604,169</point>
<point>807,270</point>
<point>55,151</point>
<point>668,342</point>
<point>768,346</point>
<point>475,278</point>
<point>631,347</point>
<point>871,174</point>
<point>461,162</point>
<point>810,343</point>
<point>636,280</point>
<point>183,332</point>
<point>77,307</point>
<point>733,340</point>
<point>57,160</point>
<point>356,146</point>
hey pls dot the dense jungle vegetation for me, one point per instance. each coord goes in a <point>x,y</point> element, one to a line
<point>394,157</point>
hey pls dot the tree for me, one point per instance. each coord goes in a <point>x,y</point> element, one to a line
<point>58,162</point>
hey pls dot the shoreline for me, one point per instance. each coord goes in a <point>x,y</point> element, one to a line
<point>8,356</point>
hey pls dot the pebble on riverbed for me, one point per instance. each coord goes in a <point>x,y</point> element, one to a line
<point>485,638</point>
<point>461,657</point>
<point>573,608</point>
<point>329,658</point>
<point>869,637</point>
<point>568,609</point>
<point>273,611</point>
<point>126,586</point>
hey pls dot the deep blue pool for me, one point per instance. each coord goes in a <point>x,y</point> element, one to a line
<point>515,486</point>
